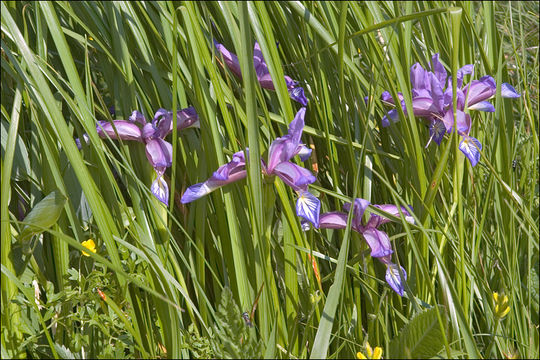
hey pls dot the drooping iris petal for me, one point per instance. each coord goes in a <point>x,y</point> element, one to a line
<point>437,129</point>
<point>463,121</point>
<point>304,152</point>
<point>231,60</point>
<point>471,148</point>
<point>507,91</point>
<point>378,241</point>
<point>226,174</point>
<point>293,175</point>
<point>284,148</point>
<point>438,70</point>
<point>160,189</point>
<point>483,106</point>
<point>333,220</point>
<point>297,94</point>
<point>308,207</point>
<point>127,130</point>
<point>185,118</point>
<point>394,279</point>
<point>159,153</point>
<point>377,220</point>
<point>391,116</point>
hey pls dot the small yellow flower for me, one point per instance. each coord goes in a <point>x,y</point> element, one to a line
<point>371,353</point>
<point>90,245</point>
<point>501,305</point>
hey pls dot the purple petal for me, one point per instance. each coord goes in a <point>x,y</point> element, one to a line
<point>471,148</point>
<point>333,220</point>
<point>231,60</point>
<point>297,94</point>
<point>293,175</point>
<point>465,70</point>
<point>305,225</point>
<point>436,92</point>
<point>418,77</point>
<point>483,106</point>
<point>507,91</point>
<point>360,206</point>
<point>308,207</point>
<point>391,116</point>
<point>480,90</point>
<point>437,129</point>
<point>162,123</point>
<point>387,98</point>
<point>377,220</point>
<point>160,189</point>
<point>394,279</point>
<point>284,148</point>
<point>378,241</point>
<point>226,174</point>
<point>424,107</point>
<point>304,152</point>
<point>138,117</point>
<point>463,121</point>
<point>148,131</point>
<point>438,70</point>
<point>159,153</point>
<point>261,69</point>
<point>187,118</point>
<point>266,82</point>
<point>126,130</point>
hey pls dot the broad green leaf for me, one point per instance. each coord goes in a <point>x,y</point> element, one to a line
<point>43,215</point>
<point>421,338</point>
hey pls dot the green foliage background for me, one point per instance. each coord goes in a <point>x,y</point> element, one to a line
<point>164,271</point>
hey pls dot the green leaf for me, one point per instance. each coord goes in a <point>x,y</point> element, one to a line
<point>43,215</point>
<point>421,338</point>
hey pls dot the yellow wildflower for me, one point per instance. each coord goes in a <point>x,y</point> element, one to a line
<point>501,305</point>
<point>371,353</point>
<point>90,245</point>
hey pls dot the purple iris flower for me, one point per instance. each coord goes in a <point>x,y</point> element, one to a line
<point>432,99</point>
<point>261,69</point>
<point>377,240</point>
<point>279,154</point>
<point>158,151</point>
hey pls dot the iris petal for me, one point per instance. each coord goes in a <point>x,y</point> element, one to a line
<point>126,130</point>
<point>304,152</point>
<point>293,175</point>
<point>297,94</point>
<point>507,91</point>
<point>333,220</point>
<point>483,106</point>
<point>159,153</point>
<point>378,241</point>
<point>394,279</point>
<point>160,189</point>
<point>284,148</point>
<point>308,207</point>
<point>437,131</point>
<point>471,148</point>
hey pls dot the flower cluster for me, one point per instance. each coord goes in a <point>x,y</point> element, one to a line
<point>377,240</point>
<point>432,99</point>
<point>152,134</point>
<point>281,151</point>
<point>261,69</point>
